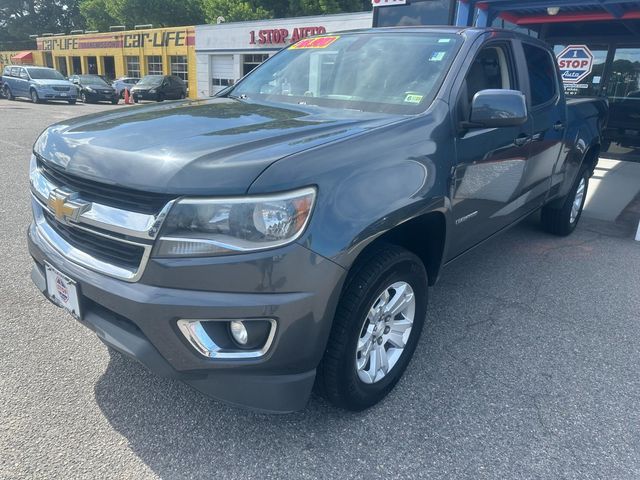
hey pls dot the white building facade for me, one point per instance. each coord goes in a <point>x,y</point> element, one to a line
<point>228,51</point>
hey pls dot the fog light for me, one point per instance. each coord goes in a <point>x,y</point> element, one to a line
<point>239,332</point>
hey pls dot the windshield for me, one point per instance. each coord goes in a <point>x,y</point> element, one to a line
<point>92,80</point>
<point>44,74</point>
<point>151,80</point>
<point>390,72</point>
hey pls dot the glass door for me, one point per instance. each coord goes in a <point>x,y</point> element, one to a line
<point>591,85</point>
<point>623,91</point>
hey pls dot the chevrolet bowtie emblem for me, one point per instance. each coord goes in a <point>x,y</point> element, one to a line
<point>64,206</point>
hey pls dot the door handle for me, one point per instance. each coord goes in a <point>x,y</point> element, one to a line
<point>522,140</point>
<point>558,126</point>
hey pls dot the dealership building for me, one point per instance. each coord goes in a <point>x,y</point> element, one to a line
<point>227,52</point>
<point>134,53</point>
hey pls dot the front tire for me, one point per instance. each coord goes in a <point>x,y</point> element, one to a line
<point>72,102</point>
<point>563,220</point>
<point>8,94</point>
<point>34,97</point>
<point>376,328</point>
<point>83,97</point>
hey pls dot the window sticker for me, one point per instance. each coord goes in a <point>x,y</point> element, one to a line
<point>317,42</point>
<point>437,56</point>
<point>413,98</point>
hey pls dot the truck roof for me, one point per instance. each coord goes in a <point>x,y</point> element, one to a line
<point>468,31</point>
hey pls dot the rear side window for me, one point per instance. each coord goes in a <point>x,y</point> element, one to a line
<point>542,74</point>
<point>15,71</point>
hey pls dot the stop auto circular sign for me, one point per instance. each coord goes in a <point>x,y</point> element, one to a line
<point>575,63</point>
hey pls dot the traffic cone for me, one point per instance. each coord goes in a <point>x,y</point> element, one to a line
<point>127,97</point>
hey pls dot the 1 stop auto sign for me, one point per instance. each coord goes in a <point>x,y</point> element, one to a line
<point>575,63</point>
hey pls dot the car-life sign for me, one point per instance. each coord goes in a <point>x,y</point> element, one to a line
<point>575,63</point>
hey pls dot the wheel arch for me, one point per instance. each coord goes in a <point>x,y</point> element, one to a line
<point>425,236</point>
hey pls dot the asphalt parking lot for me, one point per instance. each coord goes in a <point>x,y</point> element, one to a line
<point>528,367</point>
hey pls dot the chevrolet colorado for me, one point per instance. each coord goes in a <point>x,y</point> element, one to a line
<point>284,234</point>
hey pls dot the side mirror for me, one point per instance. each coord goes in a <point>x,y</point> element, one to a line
<point>497,108</point>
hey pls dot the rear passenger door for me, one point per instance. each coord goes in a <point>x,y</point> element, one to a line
<point>547,109</point>
<point>486,184</point>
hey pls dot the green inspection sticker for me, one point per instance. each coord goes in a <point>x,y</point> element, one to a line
<point>413,98</point>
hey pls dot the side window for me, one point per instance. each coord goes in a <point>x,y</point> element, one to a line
<point>23,74</point>
<point>15,71</point>
<point>542,74</point>
<point>491,69</point>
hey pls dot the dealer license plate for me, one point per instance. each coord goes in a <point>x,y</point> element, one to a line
<point>64,94</point>
<point>63,291</point>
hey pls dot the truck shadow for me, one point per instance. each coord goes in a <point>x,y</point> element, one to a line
<point>472,390</point>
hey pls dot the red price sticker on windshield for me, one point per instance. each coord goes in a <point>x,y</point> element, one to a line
<point>317,42</point>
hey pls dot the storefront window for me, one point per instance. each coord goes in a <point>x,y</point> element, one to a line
<point>421,12</point>
<point>591,85</point>
<point>133,66</point>
<point>249,62</point>
<point>179,66</point>
<point>623,90</point>
<point>154,65</point>
<point>62,65</point>
<point>76,64</point>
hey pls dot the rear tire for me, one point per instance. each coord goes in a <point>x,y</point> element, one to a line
<point>72,102</point>
<point>367,326</point>
<point>8,94</point>
<point>563,220</point>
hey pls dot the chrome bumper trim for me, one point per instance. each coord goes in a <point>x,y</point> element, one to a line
<point>205,346</point>
<point>81,258</point>
<point>123,222</point>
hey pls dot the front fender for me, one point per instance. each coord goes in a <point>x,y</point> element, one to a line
<point>369,183</point>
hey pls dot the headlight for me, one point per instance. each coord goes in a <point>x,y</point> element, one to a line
<point>153,90</point>
<point>225,226</point>
<point>89,89</point>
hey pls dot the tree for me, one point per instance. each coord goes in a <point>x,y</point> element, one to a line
<point>20,18</point>
<point>100,14</point>
<point>234,10</point>
<point>237,10</point>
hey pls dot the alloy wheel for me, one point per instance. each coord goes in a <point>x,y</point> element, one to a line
<point>577,200</point>
<point>385,332</point>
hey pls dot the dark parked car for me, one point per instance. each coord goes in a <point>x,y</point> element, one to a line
<point>159,88</point>
<point>285,233</point>
<point>94,89</point>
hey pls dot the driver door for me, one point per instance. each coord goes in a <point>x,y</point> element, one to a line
<point>490,165</point>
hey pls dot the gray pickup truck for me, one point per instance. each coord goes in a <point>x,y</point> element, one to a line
<point>284,234</point>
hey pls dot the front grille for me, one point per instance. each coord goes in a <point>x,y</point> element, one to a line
<point>111,195</point>
<point>61,89</point>
<point>105,249</point>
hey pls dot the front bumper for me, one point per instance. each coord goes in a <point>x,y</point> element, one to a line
<point>292,285</point>
<point>101,97</point>
<point>144,95</point>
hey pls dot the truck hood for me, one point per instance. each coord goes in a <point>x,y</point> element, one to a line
<point>218,146</point>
